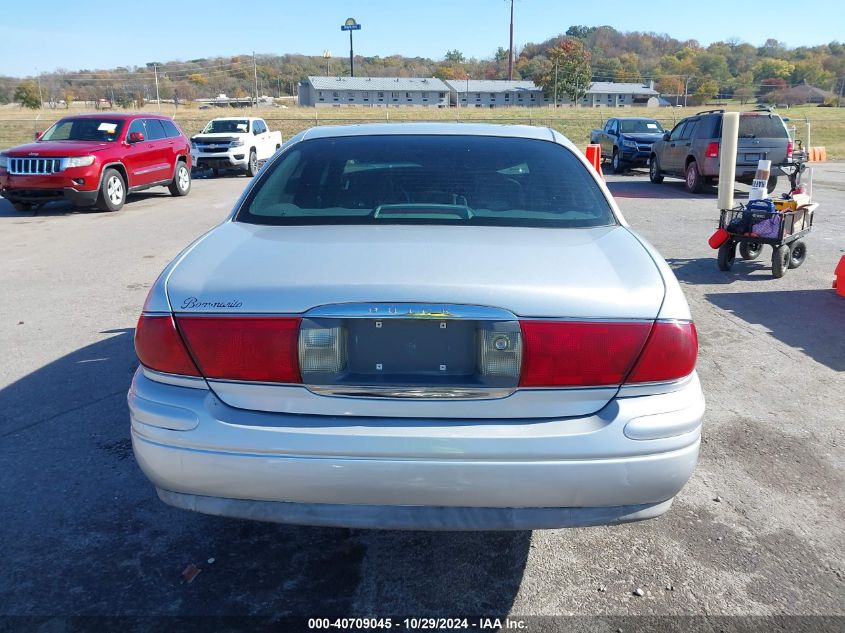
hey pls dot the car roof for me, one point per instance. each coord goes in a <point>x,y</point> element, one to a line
<point>634,118</point>
<point>122,116</point>
<point>433,129</point>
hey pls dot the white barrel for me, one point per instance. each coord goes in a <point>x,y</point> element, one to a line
<point>727,159</point>
<point>761,181</point>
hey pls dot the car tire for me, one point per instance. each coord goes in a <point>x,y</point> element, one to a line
<point>750,250</point>
<point>797,254</point>
<point>112,191</point>
<point>215,172</point>
<point>693,181</point>
<point>654,174</point>
<point>616,165</point>
<point>252,164</point>
<point>780,261</point>
<point>772,184</point>
<point>181,184</point>
<point>727,254</point>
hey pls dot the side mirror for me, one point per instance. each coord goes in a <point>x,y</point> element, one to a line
<point>37,136</point>
<point>666,136</point>
<point>136,137</point>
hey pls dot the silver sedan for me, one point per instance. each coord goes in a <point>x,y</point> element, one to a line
<point>419,326</point>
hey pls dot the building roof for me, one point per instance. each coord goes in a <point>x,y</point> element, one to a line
<point>406,84</point>
<point>490,85</point>
<point>609,87</point>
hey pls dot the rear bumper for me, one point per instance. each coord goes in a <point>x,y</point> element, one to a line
<point>416,474</point>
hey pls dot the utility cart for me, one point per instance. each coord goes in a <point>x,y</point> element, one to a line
<point>780,223</point>
<point>753,226</point>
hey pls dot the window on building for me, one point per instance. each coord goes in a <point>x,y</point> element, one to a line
<point>442,95</point>
<point>424,95</point>
<point>407,95</point>
<point>478,96</point>
<point>335,96</point>
<point>519,97</point>
<point>381,95</point>
<point>507,96</point>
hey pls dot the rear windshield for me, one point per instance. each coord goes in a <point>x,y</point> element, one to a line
<point>429,179</point>
<point>88,129</point>
<point>761,126</point>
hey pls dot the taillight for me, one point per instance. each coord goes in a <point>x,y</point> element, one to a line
<point>243,348</point>
<point>669,354</point>
<point>568,353</point>
<point>789,149</point>
<point>159,346</point>
<point>712,151</point>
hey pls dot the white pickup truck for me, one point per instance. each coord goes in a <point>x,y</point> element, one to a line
<point>234,143</point>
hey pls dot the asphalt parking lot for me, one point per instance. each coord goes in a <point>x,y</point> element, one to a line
<point>757,531</point>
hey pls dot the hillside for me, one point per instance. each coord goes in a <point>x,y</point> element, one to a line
<point>723,69</point>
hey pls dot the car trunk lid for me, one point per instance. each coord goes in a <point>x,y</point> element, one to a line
<point>320,273</point>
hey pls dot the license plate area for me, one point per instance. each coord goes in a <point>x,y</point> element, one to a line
<point>408,349</point>
<point>414,353</point>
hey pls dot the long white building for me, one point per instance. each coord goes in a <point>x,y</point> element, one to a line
<point>462,93</point>
<point>373,91</point>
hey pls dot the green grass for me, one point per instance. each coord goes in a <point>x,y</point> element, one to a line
<point>827,124</point>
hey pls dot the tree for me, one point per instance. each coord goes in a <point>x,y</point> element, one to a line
<point>68,97</point>
<point>629,69</point>
<point>27,95</point>
<point>455,56</point>
<point>744,94</point>
<point>707,89</point>
<point>567,72</point>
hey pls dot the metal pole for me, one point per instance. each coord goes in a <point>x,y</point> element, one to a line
<point>158,100</point>
<point>40,98</point>
<point>556,83</point>
<point>255,76</point>
<point>510,50</point>
<point>841,85</point>
<point>351,58</point>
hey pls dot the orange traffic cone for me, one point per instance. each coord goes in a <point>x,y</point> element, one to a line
<point>839,282</point>
<point>593,155</point>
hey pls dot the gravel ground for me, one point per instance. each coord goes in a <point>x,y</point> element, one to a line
<point>756,532</point>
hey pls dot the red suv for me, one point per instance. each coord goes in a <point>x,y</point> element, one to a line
<point>96,159</point>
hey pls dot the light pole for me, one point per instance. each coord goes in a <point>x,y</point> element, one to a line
<point>510,50</point>
<point>686,87</point>
<point>556,61</point>
<point>351,25</point>
<point>327,55</point>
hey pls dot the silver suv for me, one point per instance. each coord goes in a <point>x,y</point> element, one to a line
<point>691,150</point>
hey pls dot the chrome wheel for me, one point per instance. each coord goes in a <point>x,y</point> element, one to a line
<point>114,190</point>
<point>184,178</point>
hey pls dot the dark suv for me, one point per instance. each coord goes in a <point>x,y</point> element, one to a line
<point>691,150</point>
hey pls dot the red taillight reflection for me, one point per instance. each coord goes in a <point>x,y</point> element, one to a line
<point>566,354</point>
<point>159,346</point>
<point>670,353</point>
<point>712,151</point>
<point>244,348</point>
<point>789,148</point>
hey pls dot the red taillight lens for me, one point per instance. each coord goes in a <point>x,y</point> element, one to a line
<point>244,348</point>
<point>567,354</point>
<point>160,347</point>
<point>712,151</point>
<point>669,354</point>
<point>789,149</point>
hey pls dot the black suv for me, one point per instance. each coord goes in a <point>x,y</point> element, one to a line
<point>691,150</point>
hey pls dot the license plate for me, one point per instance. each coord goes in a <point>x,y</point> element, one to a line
<point>752,157</point>
<point>408,347</point>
